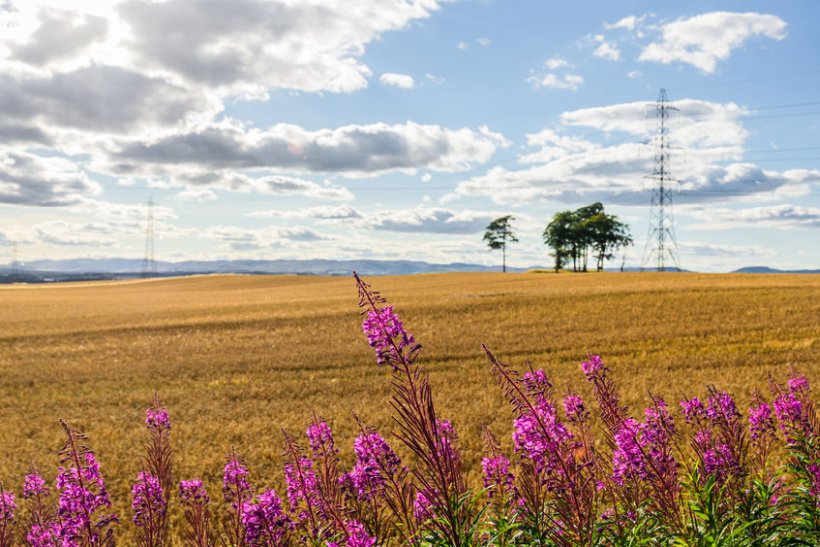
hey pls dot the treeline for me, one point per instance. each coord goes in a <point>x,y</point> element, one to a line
<point>574,237</point>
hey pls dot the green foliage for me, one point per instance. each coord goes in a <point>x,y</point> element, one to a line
<point>499,234</point>
<point>574,235</point>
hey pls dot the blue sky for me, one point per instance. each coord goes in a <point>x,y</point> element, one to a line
<point>398,129</point>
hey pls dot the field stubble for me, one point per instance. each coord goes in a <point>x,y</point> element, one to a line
<point>236,359</point>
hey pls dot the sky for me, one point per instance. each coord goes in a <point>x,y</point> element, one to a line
<point>398,129</point>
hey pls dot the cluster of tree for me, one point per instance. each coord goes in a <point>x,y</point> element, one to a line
<point>573,237</point>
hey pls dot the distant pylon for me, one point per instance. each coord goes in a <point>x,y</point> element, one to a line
<point>149,263</point>
<point>661,249</point>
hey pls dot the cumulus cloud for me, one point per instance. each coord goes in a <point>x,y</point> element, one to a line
<point>28,179</point>
<point>553,81</point>
<point>308,46</point>
<point>245,239</point>
<point>350,150</point>
<point>556,62</point>
<point>770,216</point>
<point>60,34</point>
<point>74,234</point>
<point>429,220</point>
<point>322,213</point>
<point>567,168</point>
<point>608,50</point>
<point>98,99</point>
<point>705,39</point>
<point>277,185</point>
<point>403,81</point>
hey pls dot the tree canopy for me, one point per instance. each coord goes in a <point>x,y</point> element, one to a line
<point>574,236</point>
<point>498,235</point>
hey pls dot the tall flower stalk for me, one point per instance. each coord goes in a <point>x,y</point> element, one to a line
<point>438,474</point>
<point>196,506</point>
<point>83,499</point>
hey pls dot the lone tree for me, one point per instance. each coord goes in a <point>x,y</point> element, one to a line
<point>498,235</point>
<point>575,234</point>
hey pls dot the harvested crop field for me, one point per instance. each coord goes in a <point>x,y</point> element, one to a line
<point>236,359</point>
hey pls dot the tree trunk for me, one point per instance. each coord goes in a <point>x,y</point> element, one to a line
<point>504,258</point>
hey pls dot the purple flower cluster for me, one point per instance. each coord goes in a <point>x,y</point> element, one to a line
<point>793,420</point>
<point>761,424</point>
<point>320,438</point>
<point>8,507</point>
<point>720,461</point>
<point>628,460</point>
<point>375,461</point>
<point>235,486</point>
<point>44,535</point>
<point>498,478</point>
<point>385,333</point>
<point>693,410</point>
<point>798,384</point>
<point>357,535</point>
<point>643,449</point>
<point>193,492</point>
<point>157,418</point>
<point>300,480</point>
<point>540,436</point>
<point>423,508</point>
<point>594,368</point>
<point>264,520</point>
<point>721,409</point>
<point>536,383</point>
<point>34,485</point>
<point>575,409</point>
<point>82,493</point>
<point>148,502</point>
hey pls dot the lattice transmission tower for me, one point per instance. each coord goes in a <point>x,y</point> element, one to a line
<point>661,251</point>
<point>149,263</point>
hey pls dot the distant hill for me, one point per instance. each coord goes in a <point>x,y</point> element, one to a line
<point>131,267</point>
<point>767,270</point>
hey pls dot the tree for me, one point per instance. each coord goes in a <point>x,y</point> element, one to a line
<point>576,234</point>
<point>559,235</point>
<point>498,235</point>
<point>606,235</point>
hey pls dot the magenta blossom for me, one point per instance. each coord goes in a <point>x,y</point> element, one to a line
<point>34,485</point>
<point>148,502</point>
<point>386,334</point>
<point>575,409</point>
<point>265,522</point>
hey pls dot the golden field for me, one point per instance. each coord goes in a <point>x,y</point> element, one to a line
<point>238,358</point>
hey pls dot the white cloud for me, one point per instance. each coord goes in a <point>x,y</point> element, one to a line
<point>29,179</point>
<point>483,42</point>
<point>770,216</point>
<point>352,150</point>
<point>705,39</point>
<point>634,74</point>
<point>567,168</point>
<point>403,81</point>
<point>630,22</point>
<point>463,46</point>
<point>322,213</point>
<point>555,62</point>
<point>429,220</point>
<point>608,50</point>
<point>552,81</point>
<point>427,177</point>
<point>60,232</point>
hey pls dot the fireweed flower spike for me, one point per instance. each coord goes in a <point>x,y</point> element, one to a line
<point>431,440</point>
<point>41,528</point>
<point>158,461</point>
<point>195,501</point>
<point>236,490</point>
<point>8,508</point>
<point>265,522</point>
<point>148,503</point>
<point>82,495</point>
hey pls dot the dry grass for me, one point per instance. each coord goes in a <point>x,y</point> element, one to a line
<point>237,358</point>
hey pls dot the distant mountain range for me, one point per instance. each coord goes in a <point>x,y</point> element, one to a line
<point>117,268</point>
<point>766,269</point>
<point>131,266</point>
